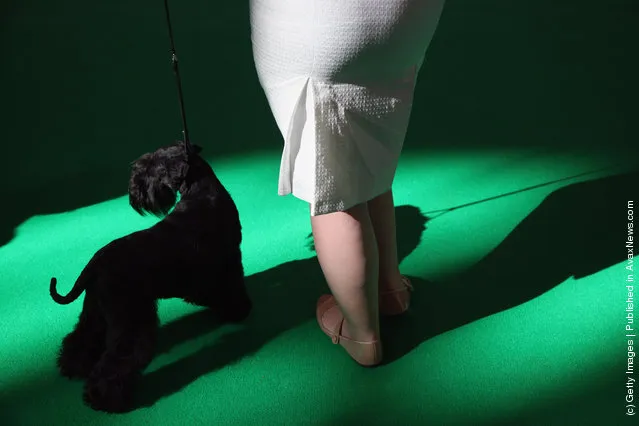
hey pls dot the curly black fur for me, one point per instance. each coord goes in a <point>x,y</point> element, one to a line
<point>193,254</point>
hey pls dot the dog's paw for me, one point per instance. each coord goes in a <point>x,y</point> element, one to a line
<point>112,395</point>
<point>74,372</point>
<point>76,365</point>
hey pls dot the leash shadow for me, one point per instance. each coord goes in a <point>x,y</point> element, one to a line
<point>576,231</point>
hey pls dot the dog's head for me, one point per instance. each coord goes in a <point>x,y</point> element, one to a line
<point>156,178</point>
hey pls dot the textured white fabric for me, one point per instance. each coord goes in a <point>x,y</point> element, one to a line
<point>339,77</point>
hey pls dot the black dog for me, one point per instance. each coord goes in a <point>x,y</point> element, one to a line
<point>193,254</point>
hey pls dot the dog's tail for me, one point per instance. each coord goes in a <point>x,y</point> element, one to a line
<point>77,290</point>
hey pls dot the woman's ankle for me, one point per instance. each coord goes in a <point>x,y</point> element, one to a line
<point>352,333</point>
<point>389,282</point>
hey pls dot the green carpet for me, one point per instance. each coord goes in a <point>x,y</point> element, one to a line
<point>511,204</point>
<point>477,346</point>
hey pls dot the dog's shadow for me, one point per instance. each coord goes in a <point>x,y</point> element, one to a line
<point>576,231</point>
<point>283,296</point>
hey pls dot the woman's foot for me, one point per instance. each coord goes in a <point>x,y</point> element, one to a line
<point>366,352</point>
<point>395,300</point>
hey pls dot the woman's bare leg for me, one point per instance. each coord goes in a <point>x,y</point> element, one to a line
<point>382,213</point>
<point>394,289</point>
<point>347,252</point>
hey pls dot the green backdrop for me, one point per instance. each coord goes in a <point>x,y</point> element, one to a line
<point>512,197</point>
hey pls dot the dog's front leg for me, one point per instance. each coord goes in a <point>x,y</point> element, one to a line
<point>224,291</point>
<point>131,339</point>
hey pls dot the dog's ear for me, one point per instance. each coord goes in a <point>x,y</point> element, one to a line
<point>136,198</point>
<point>138,185</point>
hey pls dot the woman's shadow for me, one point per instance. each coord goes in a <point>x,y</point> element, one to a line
<point>576,231</point>
<point>284,297</point>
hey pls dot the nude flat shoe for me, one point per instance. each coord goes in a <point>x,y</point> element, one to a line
<point>331,320</point>
<point>395,301</point>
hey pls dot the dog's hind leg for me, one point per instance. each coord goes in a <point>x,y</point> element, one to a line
<point>81,349</point>
<point>130,346</point>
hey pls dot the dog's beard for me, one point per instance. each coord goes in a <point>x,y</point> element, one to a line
<point>161,200</point>
<point>156,179</point>
<point>157,200</point>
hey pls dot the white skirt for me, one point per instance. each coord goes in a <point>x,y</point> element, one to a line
<point>339,76</point>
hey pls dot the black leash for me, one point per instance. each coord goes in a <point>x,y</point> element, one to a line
<point>174,62</point>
